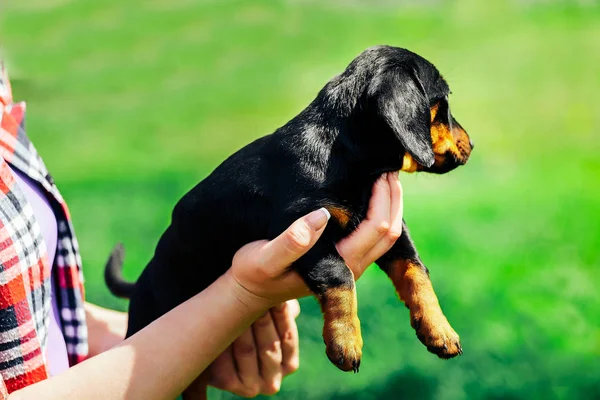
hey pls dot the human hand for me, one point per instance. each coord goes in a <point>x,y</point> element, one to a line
<point>378,232</point>
<point>259,269</point>
<point>257,361</point>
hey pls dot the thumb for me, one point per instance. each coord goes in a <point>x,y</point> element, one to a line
<point>295,241</point>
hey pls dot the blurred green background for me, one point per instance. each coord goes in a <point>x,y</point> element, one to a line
<point>131,103</point>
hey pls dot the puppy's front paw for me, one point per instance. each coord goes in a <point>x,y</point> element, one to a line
<point>341,331</point>
<point>435,332</point>
<point>344,348</point>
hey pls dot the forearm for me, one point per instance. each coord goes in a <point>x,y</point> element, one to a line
<point>160,361</point>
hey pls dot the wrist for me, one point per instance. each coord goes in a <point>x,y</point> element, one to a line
<point>250,301</point>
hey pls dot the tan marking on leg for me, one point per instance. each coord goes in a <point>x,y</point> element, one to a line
<point>416,291</point>
<point>341,331</point>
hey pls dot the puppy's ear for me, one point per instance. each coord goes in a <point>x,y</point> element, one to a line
<point>403,105</point>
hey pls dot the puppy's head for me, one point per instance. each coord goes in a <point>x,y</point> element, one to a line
<point>404,97</point>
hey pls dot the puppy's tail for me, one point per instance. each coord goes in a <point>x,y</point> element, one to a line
<point>113,274</point>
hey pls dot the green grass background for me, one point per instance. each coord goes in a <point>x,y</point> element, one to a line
<point>131,103</point>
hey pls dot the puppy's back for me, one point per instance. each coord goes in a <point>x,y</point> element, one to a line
<point>223,212</point>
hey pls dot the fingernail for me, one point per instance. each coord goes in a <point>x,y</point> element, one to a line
<point>317,219</point>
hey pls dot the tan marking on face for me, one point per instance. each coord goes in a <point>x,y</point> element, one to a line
<point>409,164</point>
<point>445,142</point>
<point>442,139</point>
<point>433,111</point>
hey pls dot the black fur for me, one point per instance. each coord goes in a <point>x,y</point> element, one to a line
<point>360,125</point>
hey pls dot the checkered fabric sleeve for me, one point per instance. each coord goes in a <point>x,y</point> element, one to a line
<point>25,298</point>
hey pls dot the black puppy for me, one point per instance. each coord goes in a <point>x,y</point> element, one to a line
<point>387,111</point>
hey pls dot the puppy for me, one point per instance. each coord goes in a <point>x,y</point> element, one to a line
<point>388,111</point>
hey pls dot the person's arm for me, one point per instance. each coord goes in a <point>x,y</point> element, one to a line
<point>161,360</point>
<point>255,363</point>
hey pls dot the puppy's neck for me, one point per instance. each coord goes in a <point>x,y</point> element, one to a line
<point>343,148</point>
<point>339,133</point>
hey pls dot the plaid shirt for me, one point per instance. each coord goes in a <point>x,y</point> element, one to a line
<point>25,289</point>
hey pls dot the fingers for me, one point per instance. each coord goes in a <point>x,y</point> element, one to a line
<point>254,363</point>
<point>397,203</point>
<point>294,242</point>
<point>380,229</point>
<point>223,374</point>
<point>396,209</point>
<point>377,223</point>
<point>269,351</point>
<point>244,354</point>
<point>284,317</point>
<point>294,308</point>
